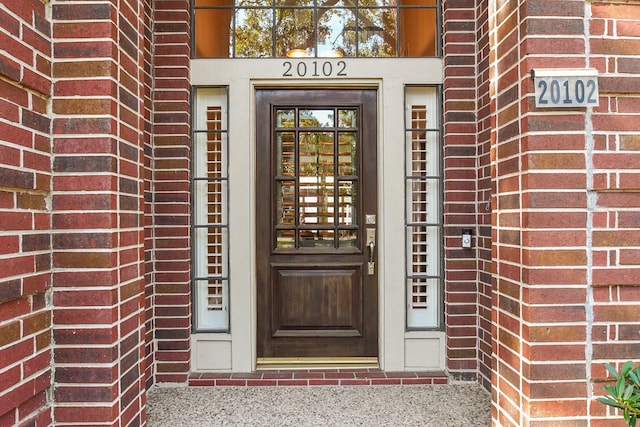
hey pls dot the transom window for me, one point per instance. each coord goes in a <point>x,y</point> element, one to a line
<point>315,28</point>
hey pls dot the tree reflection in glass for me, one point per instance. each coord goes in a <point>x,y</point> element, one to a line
<point>362,28</point>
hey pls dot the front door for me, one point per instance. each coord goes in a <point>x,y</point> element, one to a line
<point>316,224</point>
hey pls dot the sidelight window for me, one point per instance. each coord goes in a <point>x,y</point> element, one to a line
<point>315,28</point>
<point>423,213</point>
<point>210,234</point>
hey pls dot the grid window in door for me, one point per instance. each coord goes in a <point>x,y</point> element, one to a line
<point>210,232</point>
<point>316,177</point>
<point>423,213</point>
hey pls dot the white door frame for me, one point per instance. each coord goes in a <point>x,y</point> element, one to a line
<point>236,350</point>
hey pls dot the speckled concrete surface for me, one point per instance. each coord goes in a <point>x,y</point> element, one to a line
<point>452,405</point>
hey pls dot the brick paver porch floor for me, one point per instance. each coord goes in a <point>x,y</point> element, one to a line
<point>317,377</point>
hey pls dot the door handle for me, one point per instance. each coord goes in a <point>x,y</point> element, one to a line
<point>371,244</point>
<point>371,239</point>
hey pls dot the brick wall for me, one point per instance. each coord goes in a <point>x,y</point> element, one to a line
<point>566,180</point>
<point>25,213</point>
<point>467,136</point>
<point>507,220</point>
<point>171,195</point>
<point>485,191</point>
<point>613,180</point>
<point>459,164</point>
<point>94,207</point>
<point>540,220</point>
<point>149,242</point>
<point>98,239</point>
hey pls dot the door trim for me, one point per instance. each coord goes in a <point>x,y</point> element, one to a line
<point>398,349</point>
<point>369,307</point>
<point>266,363</point>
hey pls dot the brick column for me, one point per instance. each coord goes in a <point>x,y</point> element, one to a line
<point>565,209</point>
<point>485,190</point>
<point>540,223</point>
<point>460,186</point>
<point>98,252</point>
<point>25,217</point>
<point>507,376</point>
<point>149,242</point>
<point>171,196</point>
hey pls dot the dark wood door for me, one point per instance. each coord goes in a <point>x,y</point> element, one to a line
<point>316,213</point>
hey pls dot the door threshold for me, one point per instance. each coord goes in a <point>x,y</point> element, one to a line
<point>282,363</point>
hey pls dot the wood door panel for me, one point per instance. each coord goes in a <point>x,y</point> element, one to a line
<point>311,301</point>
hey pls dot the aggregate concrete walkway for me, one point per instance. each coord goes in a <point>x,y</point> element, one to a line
<point>451,405</point>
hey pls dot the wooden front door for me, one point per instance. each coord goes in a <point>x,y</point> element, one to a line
<point>316,223</point>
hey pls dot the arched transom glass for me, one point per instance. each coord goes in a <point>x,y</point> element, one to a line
<point>315,28</point>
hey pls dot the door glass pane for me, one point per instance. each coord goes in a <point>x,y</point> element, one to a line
<point>326,200</point>
<point>325,155</point>
<point>347,160</point>
<point>347,203</point>
<point>308,155</point>
<point>286,238</point>
<point>316,118</point>
<point>316,153</point>
<point>285,118</point>
<point>308,202</point>
<point>348,239</point>
<point>286,153</point>
<point>316,238</point>
<point>286,202</point>
<point>316,200</point>
<point>347,118</point>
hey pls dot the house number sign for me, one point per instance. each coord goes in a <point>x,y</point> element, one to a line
<point>566,88</point>
<point>315,68</point>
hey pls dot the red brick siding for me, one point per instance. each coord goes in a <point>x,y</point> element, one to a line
<point>98,239</point>
<point>460,186</point>
<point>614,181</point>
<point>483,198</point>
<point>149,242</point>
<point>25,214</point>
<point>563,254</point>
<point>171,196</point>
